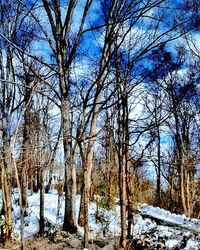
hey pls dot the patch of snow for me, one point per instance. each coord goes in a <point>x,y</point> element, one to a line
<point>171,244</point>
<point>192,245</point>
<point>165,231</point>
<point>170,217</point>
<point>142,225</point>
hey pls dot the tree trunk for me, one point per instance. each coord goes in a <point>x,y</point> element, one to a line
<point>123,156</point>
<point>158,183</point>
<point>6,179</point>
<point>6,194</point>
<point>41,222</point>
<point>19,191</point>
<point>86,191</point>
<point>81,219</point>
<point>86,195</point>
<point>26,146</point>
<point>48,186</point>
<point>129,201</point>
<point>70,172</point>
<point>87,168</point>
<point>182,186</point>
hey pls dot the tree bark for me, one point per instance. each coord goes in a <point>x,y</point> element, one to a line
<point>70,176</point>
<point>6,194</point>
<point>41,221</point>
<point>87,168</point>
<point>26,146</point>
<point>123,169</point>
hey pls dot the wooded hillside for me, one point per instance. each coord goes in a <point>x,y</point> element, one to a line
<point>99,98</point>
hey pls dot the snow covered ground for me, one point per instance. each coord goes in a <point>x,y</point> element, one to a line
<point>109,224</point>
<point>176,232</point>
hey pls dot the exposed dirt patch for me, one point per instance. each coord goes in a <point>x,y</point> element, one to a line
<point>38,244</point>
<point>59,241</point>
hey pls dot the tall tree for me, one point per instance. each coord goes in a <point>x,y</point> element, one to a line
<point>64,52</point>
<point>8,105</point>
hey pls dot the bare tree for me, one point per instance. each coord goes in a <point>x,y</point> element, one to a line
<point>61,28</point>
<point>7,105</point>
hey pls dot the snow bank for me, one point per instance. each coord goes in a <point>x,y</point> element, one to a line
<point>109,225</point>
